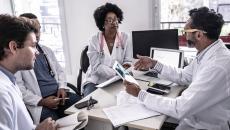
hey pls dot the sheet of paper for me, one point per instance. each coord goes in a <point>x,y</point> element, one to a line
<point>106,83</point>
<point>122,114</point>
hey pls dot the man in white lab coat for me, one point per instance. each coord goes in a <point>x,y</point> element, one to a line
<point>204,104</point>
<point>17,52</point>
<point>43,87</point>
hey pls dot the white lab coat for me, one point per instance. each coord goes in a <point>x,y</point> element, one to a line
<point>205,103</point>
<point>14,115</point>
<point>30,89</point>
<point>100,68</point>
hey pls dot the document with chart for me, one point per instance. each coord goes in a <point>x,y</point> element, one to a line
<point>123,73</point>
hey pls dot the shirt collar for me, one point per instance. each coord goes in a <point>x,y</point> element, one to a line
<point>8,74</point>
<point>202,53</point>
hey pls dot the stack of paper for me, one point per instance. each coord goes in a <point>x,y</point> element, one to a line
<point>122,114</point>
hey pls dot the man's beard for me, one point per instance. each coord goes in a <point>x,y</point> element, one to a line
<point>190,43</point>
<point>25,67</point>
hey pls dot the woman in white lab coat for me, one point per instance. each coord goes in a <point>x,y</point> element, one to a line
<point>106,47</point>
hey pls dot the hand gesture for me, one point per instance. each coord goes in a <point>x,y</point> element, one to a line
<point>144,63</point>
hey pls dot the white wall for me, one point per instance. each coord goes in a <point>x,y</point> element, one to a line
<point>5,7</point>
<point>81,26</point>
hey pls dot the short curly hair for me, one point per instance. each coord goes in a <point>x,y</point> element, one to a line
<point>208,20</point>
<point>101,12</point>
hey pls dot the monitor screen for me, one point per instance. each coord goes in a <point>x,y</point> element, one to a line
<point>144,40</point>
<point>170,57</point>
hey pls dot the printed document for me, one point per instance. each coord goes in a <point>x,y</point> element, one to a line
<point>122,114</point>
<point>128,108</point>
<point>123,73</point>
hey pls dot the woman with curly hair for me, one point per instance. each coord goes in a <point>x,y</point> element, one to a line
<point>107,46</point>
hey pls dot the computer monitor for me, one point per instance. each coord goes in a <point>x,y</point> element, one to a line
<point>144,40</point>
<point>170,57</point>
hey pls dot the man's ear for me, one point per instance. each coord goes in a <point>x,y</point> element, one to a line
<point>197,35</point>
<point>12,46</point>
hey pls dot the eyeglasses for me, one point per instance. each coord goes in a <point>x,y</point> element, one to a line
<point>110,21</point>
<point>191,31</point>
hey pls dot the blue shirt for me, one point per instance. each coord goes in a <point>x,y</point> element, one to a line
<point>47,83</point>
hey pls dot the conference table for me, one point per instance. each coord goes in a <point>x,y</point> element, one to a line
<point>106,97</point>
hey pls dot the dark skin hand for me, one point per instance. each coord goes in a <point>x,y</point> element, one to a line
<point>132,88</point>
<point>126,66</point>
<point>62,94</point>
<point>50,102</point>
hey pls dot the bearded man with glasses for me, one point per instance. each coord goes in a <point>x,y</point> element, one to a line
<point>205,103</point>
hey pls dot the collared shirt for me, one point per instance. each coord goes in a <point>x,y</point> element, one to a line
<point>205,103</point>
<point>8,74</point>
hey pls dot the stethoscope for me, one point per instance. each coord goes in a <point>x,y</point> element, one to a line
<point>102,42</point>
<point>47,62</point>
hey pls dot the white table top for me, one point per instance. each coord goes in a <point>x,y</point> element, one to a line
<point>107,97</point>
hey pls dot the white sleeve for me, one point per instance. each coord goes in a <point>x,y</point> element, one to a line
<point>94,60</point>
<point>180,76</point>
<point>28,96</point>
<point>7,113</point>
<point>195,98</point>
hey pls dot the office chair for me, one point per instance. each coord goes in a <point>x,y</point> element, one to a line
<point>228,46</point>
<point>74,88</point>
<point>84,64</point>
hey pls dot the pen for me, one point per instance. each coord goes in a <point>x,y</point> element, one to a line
<point>62,98</point>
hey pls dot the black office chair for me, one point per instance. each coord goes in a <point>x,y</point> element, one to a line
<point>228,46</point>
<point>74,88</point>
<point>84,64</point>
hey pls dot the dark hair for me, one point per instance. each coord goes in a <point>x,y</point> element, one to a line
<point>29,15</point>
<point>100,14</point>
<point>208,20</point>
<point>13,29</point>
<point>32,17</point>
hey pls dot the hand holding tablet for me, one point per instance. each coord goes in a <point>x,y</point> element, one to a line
<point>123,73</point>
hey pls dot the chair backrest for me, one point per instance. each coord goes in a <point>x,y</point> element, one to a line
<point>84,64</point>
<point>84,61</point>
